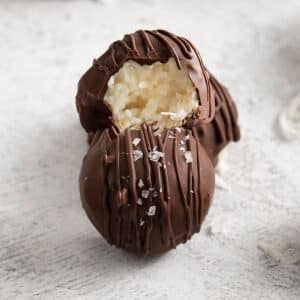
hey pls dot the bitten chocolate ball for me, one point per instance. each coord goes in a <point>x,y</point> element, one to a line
<point>147,76</point>
<point>146,191</point>
<point>157,76</point>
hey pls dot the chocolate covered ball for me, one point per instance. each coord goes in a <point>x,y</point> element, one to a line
<point>147,76</point>
<point>146,191</point>
<point>157,76</point>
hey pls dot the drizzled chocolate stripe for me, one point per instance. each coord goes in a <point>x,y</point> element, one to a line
<point>166,197</point>
<point>223,128</point>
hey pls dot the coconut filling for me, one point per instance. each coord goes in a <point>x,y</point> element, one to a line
<point>159,93</point>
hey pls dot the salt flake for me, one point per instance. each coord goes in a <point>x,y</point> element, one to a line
<point>137,154</point>
<point>140,183</point>
<point>188,157</point>
<point>136,141</point>
<point>139,201</point>
<point>155,155</point>
<point>145,194</point>
<point>151,211</point>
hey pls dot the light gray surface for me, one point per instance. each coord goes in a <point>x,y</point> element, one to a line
<point>249,247</point>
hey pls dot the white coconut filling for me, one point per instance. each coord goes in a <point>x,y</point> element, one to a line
<point>159,92</point>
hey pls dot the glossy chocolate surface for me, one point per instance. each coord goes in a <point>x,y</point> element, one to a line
<point>146,192</point>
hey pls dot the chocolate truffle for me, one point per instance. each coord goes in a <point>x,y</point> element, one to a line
<point>146,191</point>
<point>224,128</point>
<point>147,76</point>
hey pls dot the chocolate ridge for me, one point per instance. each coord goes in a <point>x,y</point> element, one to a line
<point>223,128</point>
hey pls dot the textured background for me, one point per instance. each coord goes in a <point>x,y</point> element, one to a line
<point>249,247</point>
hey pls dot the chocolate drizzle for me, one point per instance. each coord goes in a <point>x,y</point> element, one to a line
<point>143,47</point>
<point>177,197</point>
<point>223,128</point>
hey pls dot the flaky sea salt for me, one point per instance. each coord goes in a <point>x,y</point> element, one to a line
<point>174,116</point>
<point>188,157</point>
<point>136,141</point>
<point>139,201</point>
<point>155,155</point>
<point>187,137</point>
<point>145,194</point>
<point>140,183</point>
<point>137,154</point>
<point>151,211</point>
<point>141,222</point>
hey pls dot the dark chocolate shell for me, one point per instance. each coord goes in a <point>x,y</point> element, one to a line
<point>146,192</point>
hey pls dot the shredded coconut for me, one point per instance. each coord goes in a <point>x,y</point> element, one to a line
<point>174,116</point>
<point>155,155</point>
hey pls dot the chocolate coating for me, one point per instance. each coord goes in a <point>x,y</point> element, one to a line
<point>224,128</point>
<point>151,203</point>
<point>143,47</point>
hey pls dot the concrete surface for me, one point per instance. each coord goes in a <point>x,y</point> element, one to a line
<point>249,247</point>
